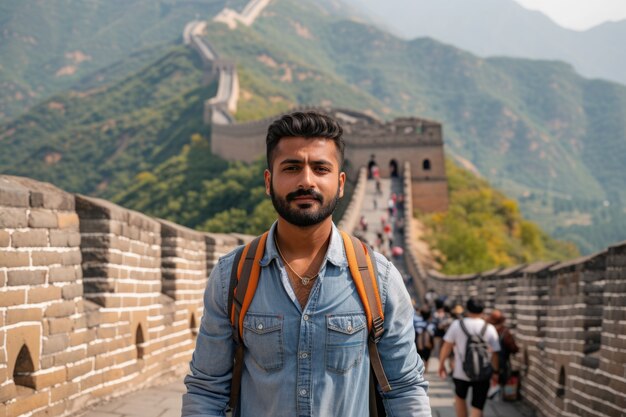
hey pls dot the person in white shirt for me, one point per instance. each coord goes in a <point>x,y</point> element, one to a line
<point>456,339</point>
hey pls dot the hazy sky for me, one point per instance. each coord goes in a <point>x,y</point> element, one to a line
<point>579,14</point>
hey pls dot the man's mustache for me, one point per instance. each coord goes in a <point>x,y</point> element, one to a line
<point>302,193</point>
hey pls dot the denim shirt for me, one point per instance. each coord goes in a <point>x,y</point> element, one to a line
<point>305,362</point>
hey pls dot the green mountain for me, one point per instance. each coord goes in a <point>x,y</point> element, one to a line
<point>536,129</point>
<point>48,46</point>
<point>96,141</point>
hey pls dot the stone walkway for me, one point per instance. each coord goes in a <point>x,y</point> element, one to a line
<point>166,400</point>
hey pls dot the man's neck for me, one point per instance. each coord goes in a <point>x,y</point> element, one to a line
<point>302,242</point>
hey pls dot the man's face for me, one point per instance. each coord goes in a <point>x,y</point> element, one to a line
<point>305,183</point>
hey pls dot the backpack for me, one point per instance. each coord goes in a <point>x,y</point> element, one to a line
<point>424,340</point>
<point>244,279</point>
<point>477,360</point>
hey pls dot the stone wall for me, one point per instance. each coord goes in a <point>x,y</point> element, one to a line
<point>569,320</point>
<point>95,300</point>
<point>352,214</point>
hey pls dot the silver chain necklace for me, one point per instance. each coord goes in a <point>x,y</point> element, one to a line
<point>305,280</point>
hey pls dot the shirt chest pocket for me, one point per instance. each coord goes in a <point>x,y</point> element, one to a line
<point>263,338</point>
<point>345,341</point>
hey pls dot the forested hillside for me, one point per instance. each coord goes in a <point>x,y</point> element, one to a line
<point>537,130</point>
<point>48,46</point>
<point>483,229</point>
<point>96,141</point>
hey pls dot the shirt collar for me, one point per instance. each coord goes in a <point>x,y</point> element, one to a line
<point>335,253</point>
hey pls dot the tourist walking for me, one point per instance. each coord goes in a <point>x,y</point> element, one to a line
<point>476,346</point>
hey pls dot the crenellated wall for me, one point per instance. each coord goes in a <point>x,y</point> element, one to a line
<point>569,320</point>
<point>353,212</point>
<point>95,300</point>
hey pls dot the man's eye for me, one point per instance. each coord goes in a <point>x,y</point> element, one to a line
<point>322,169</point>
<point>291,168</point>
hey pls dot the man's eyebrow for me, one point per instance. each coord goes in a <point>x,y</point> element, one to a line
<point>291,161</point>
<point>300,161</point>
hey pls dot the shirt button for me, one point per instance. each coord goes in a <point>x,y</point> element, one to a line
<point>305,317</point>
<point>302,392</point>
<point>304,355</point>
<point>259,326</point>
<point>349,328</point>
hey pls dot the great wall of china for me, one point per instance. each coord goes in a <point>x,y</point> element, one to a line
<point>97,300</point>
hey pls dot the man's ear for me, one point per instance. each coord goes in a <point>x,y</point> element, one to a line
<point>342,182</point>
<point>267,175</point>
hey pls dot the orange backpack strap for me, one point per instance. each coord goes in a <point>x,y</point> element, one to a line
<point>244,279</point>
<point>362,268</point>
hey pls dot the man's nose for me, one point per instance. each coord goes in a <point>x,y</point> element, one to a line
<point>307,178</point>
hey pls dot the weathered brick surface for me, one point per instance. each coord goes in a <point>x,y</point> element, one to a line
<point>67,220</point>
<point>60,309</point>
<point>42,219</point>
<point>12,297</point>
<point>22,314</point>
<point>43,294</point>
<point>13,194</point>
<point>13,218</point>
<point>5,238</point>
<point>12,259</point>
<point>62,274</point>
<point>26,277</point>
<point>64,238</point>
<point>55,343</point>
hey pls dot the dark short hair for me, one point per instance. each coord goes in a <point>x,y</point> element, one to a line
<point>308,124</point>
<point>425,312</point>
<point>475,305</point>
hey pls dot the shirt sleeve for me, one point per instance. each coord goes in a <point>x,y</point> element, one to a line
<point>208,383</point>
<point>403,366</point>
<point>453,330</point>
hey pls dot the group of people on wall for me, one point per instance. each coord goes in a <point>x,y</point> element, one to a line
<point>445,329</point>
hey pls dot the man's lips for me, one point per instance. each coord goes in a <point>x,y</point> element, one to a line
<point>304,196</point>
<point>305,199</point>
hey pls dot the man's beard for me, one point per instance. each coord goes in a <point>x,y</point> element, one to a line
<point>306,216</point>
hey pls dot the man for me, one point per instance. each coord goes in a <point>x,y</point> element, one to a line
<point>305,333</point>
<point>456,338</point>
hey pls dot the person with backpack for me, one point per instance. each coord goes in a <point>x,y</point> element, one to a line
<point>305,320</point>
<point>424,334</point>
<point>476,346</point>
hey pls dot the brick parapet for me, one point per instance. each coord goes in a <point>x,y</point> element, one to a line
<point>121,254</point>
<point>95,300</point>
<point>569,320</point>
